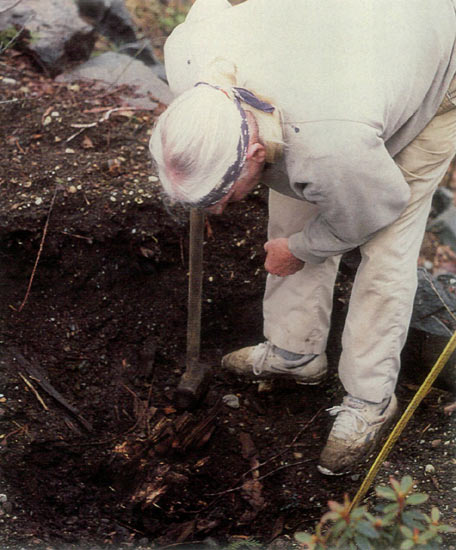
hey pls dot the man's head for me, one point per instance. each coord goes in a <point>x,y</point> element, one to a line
<point>208,147</point>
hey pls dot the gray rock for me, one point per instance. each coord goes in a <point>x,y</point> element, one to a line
<point>112,19</point>
<point>442,220</point>
<point>231,401</point>
<point>432,324</point>
<point>116,69</point>
<point>58,34</point>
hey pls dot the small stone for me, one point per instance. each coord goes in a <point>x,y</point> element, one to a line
<point>38,201</point>
<point>436,443</point>
<point>231,401</point>
<point>153,179</point>
<point>3,498</point>
<point>72,189</point>
<point>265,386</point>
<point>429,469</point>
<point>355,477</point>
<point>69,150</point>
<point>9,81</point>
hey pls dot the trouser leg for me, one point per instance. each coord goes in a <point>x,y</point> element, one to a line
<point>297,308</point>
<point>385,285</point>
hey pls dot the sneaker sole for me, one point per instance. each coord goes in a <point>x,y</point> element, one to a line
<point>247,374</point>
<point>280,376</point>
<point>375,445</point>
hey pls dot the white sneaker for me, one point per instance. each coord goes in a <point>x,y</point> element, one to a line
<point>356,431</point>
<point>264,362</point>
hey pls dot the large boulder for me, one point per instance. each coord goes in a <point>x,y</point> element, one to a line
<point>112,20</point>
<point>433,323</point>
<point>114,69</point>
<point>58,36</point>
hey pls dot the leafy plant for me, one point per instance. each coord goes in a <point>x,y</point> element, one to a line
<point>7,38</point>
<point>174,15</point>
<point>398,523</point>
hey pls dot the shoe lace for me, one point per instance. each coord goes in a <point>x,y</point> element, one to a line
<point>347,421</point>
<point>259,357</point>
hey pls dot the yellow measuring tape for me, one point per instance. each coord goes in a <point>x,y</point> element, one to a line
<point>403,420</point>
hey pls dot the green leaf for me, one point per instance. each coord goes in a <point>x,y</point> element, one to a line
<point>416,498</point>
<point>390,508</point>
<point>329,516</point>
<point>302,537</point>
<point>388,519</point>
<point>407,544</point>
<point>385,492</point>
<point>406,531</point>
<point>424,537</point>
<point>366,529</point>
<point>412,520</point>
<point>358,513</point>
<point>363,543</point>
<point>337,528</point>
<point>435,514</point>
<point>406,484</point>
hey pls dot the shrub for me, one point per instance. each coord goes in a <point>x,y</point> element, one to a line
<point>398,523</point>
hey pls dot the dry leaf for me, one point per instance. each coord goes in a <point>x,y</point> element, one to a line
<point>87,143</point>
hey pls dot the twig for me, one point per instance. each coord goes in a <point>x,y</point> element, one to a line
<point>293,441</point>
<point>232,490</point>
<point>288,446</point>
<point>19,430</point>
<point>35,374</point>
<point>37,395</point>
<point>39,251</point>
<point>11,7</point>
<point>125,69</point>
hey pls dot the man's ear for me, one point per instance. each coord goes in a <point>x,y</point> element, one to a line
<point>256,152</point>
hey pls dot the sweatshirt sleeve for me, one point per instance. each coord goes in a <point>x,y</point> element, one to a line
<point>343,168</point>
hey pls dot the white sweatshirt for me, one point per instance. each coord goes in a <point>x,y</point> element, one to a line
<point>356,81</point>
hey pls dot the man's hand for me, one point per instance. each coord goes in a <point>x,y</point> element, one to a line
<point>279,260</point>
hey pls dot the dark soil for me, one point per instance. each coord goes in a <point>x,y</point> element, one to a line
<point>105,325</point>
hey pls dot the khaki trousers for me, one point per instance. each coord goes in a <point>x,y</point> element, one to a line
<point>297,308</point>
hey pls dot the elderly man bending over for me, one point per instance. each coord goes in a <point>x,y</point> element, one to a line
<point>345,110</point>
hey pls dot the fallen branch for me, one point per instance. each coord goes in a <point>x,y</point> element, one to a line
<point>46,225</point>
<point>36,375</point>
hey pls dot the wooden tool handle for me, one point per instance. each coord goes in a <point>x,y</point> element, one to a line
<point>195,285</point>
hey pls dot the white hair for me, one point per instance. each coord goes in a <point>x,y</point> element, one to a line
<point>195,140</point>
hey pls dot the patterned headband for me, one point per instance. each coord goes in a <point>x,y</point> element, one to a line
<point>234,171</point>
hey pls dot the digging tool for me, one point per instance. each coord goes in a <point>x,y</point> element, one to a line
<point>194,381</point>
